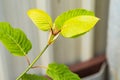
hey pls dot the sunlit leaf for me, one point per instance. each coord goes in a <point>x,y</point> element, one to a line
<point>78,25</point>
<point>32,77</point>
<point>40,18</point>
<point>14,39</point>
<point>61,72</point>
<point>61,19</point>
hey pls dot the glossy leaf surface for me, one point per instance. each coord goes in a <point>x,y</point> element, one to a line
<point>78,25</point>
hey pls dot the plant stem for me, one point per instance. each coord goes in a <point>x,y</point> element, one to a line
<point>27,59</point>
<point>40,66</point>
<point>34,61</point>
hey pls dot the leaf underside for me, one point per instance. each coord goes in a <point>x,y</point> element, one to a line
<point>40,18</point>
<point>61,72</point>
<point>32,77</point>
<point>14,40</point>
<point>60,20</point>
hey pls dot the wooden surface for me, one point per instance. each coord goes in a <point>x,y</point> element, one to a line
<point>89,67</point>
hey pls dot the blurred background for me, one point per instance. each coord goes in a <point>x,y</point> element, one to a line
<point>103,39</point>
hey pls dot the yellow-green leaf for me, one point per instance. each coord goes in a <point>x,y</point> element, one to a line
<point>61,72</point>
<point>40,18</point>
<point>78,25</point>
<point>62,18</point>
<point>14,39</point>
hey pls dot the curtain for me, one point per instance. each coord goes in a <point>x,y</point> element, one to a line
<point>113,45</point>
<point>14,12</point>
<point>3,65</point>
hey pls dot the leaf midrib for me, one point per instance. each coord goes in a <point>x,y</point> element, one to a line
<point>47,21</point>
<point>16,43</point>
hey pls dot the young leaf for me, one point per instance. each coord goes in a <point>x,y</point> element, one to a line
<point>78,25</point>
<point>40,18</point>
<point>32,77</point>
<point>14,40</point>
<point>60,20</point>
<point>61,72</point>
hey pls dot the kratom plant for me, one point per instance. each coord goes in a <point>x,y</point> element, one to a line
<point>70,24</point>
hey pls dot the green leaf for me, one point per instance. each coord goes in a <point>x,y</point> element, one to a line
<point>78,26</point>
<point>4,28</point>
<point>33,77</point>
<point>40,18</point>
<point>60,20</point>
<point>14,40</point>
<point>61,72</point>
